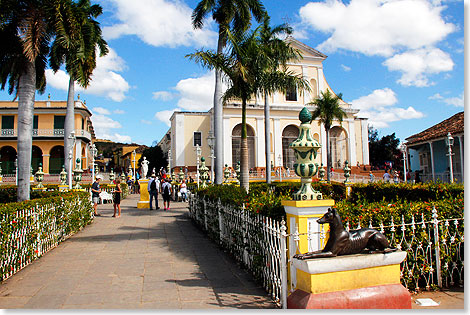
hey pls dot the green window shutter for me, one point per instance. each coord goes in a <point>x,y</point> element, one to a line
<point>35,122</point>
<point>8,122</point>
<point>59,122</point>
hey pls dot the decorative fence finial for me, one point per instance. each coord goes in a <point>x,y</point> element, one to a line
<point>305,147</point>
<point>347,171</point>
<point>77,174</point>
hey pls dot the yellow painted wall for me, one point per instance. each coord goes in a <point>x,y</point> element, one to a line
<point>194,123</point>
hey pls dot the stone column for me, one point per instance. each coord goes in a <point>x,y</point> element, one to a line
<point>45,163</point>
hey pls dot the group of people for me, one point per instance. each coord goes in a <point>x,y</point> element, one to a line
<point>95,196</point>
<point>155,186</point>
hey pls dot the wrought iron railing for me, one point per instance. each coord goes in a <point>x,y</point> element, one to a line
<point>434,248</point>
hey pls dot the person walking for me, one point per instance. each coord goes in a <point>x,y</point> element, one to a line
<point>183,190</point>
<point>117,197</point>
<point>153,188</point>
<point>95,194</point>
<point>386,176</point>
<point>166,193</point>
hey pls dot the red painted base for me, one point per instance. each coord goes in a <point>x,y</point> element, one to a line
<point>392,296</point>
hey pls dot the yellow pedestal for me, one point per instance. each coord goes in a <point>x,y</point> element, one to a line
<point>144,202</point>
<point>302,216</point>
<point>63,187</point>
<point>39,189</point>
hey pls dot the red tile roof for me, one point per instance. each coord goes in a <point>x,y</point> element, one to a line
<point>454,125</point>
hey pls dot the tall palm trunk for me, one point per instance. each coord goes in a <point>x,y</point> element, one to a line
<point>69,126</point>
<point>26,95</point>
<point>328,153</point>
<point>267,136</point>
<point>244,169</point>
<point>218,116</point>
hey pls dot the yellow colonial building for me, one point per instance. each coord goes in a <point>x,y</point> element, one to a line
<point>349,139</point>
<point>48,135</point>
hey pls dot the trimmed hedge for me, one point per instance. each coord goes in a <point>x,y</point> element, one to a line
<point>30,228</point>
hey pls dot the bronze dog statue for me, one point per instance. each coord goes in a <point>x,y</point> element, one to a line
<point>342,242</point>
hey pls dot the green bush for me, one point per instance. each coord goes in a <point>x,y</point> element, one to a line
<point>405,191</point>
<point>30,228</point>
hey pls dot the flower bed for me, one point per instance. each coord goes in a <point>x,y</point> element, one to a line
<point>29,229</point>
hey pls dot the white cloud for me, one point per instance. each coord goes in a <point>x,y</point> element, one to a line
<point>346,68</point>
<point>164,115</point>
<point>162,95</point>
<point>416,65</point>
<point>404,31</point>
<point>194,94</point>
<point>159,23</point>
<point>378,98</point>
<point>104,81</point>
<point>379,107</point>
<point>455,101</point>
<point>377,27</point>
<point>436,96</point>
<point>101,110</point>
<point>118,112</point>
<point>104,128</point>
<point>144,121</point>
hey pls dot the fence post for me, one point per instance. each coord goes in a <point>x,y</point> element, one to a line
<point>221,226</point>
<point>437,246</point>
<point>283,265</point>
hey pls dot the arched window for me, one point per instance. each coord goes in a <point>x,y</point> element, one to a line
<point>236,141</point>
<point>339,146</point>
<point>84,159</point>
<point>56,160</point>
<point>289,134</point>
<point>36,158</point>
<point>8,157</point>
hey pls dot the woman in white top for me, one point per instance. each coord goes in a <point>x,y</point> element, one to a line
<point>183,190</point>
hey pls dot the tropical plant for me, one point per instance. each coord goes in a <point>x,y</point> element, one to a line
<point>77,39</point>
<point>25,31</point>
<point>272,75</point>
<point>228,14</point>
<point>327,108</point>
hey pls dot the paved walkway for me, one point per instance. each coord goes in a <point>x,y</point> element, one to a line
<point>144,259</point>
<point>149,260</point>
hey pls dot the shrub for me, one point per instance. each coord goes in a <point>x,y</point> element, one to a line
<point>30,228</point>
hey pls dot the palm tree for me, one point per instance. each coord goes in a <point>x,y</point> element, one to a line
<point>327,108</point>
<point>238,67</point>
<point>228,14</point>
<point>273,75</point>
<point>76,42</point>
<point>24,33</point>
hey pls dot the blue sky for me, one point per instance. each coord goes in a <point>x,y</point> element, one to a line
<point>401,62</point>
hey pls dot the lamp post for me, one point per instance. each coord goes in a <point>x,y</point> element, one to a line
<point>72,145</point>
<point>450,142</point>
<point>93,151</point>
<point>210,143</point>
<point>133,164</point>
<point>198,154</point>
<point>280,167</point>
<point>403,150</point>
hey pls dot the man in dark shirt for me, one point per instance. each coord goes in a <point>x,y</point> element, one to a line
<point>95,194</point>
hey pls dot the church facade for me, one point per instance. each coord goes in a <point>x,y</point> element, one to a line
<point>348,139</point>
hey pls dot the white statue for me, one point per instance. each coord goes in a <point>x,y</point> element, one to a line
<point>145,167</point>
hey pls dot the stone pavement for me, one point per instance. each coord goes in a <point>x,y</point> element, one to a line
<point>447,299</point>
<point>142,260</point>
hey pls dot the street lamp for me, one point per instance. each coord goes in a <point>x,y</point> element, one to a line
<point>210,143</point>
<point>72,139</point>
<point>198,154</point>
<point>93,151</point>
<point>280,167</point>
<point>450,142</point>
<point>16,171</point>
<point>403,150</point>
<point>133,164</point>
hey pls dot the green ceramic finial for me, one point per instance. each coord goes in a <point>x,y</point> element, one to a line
<point>203,159</point>
<point>305,116</point>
